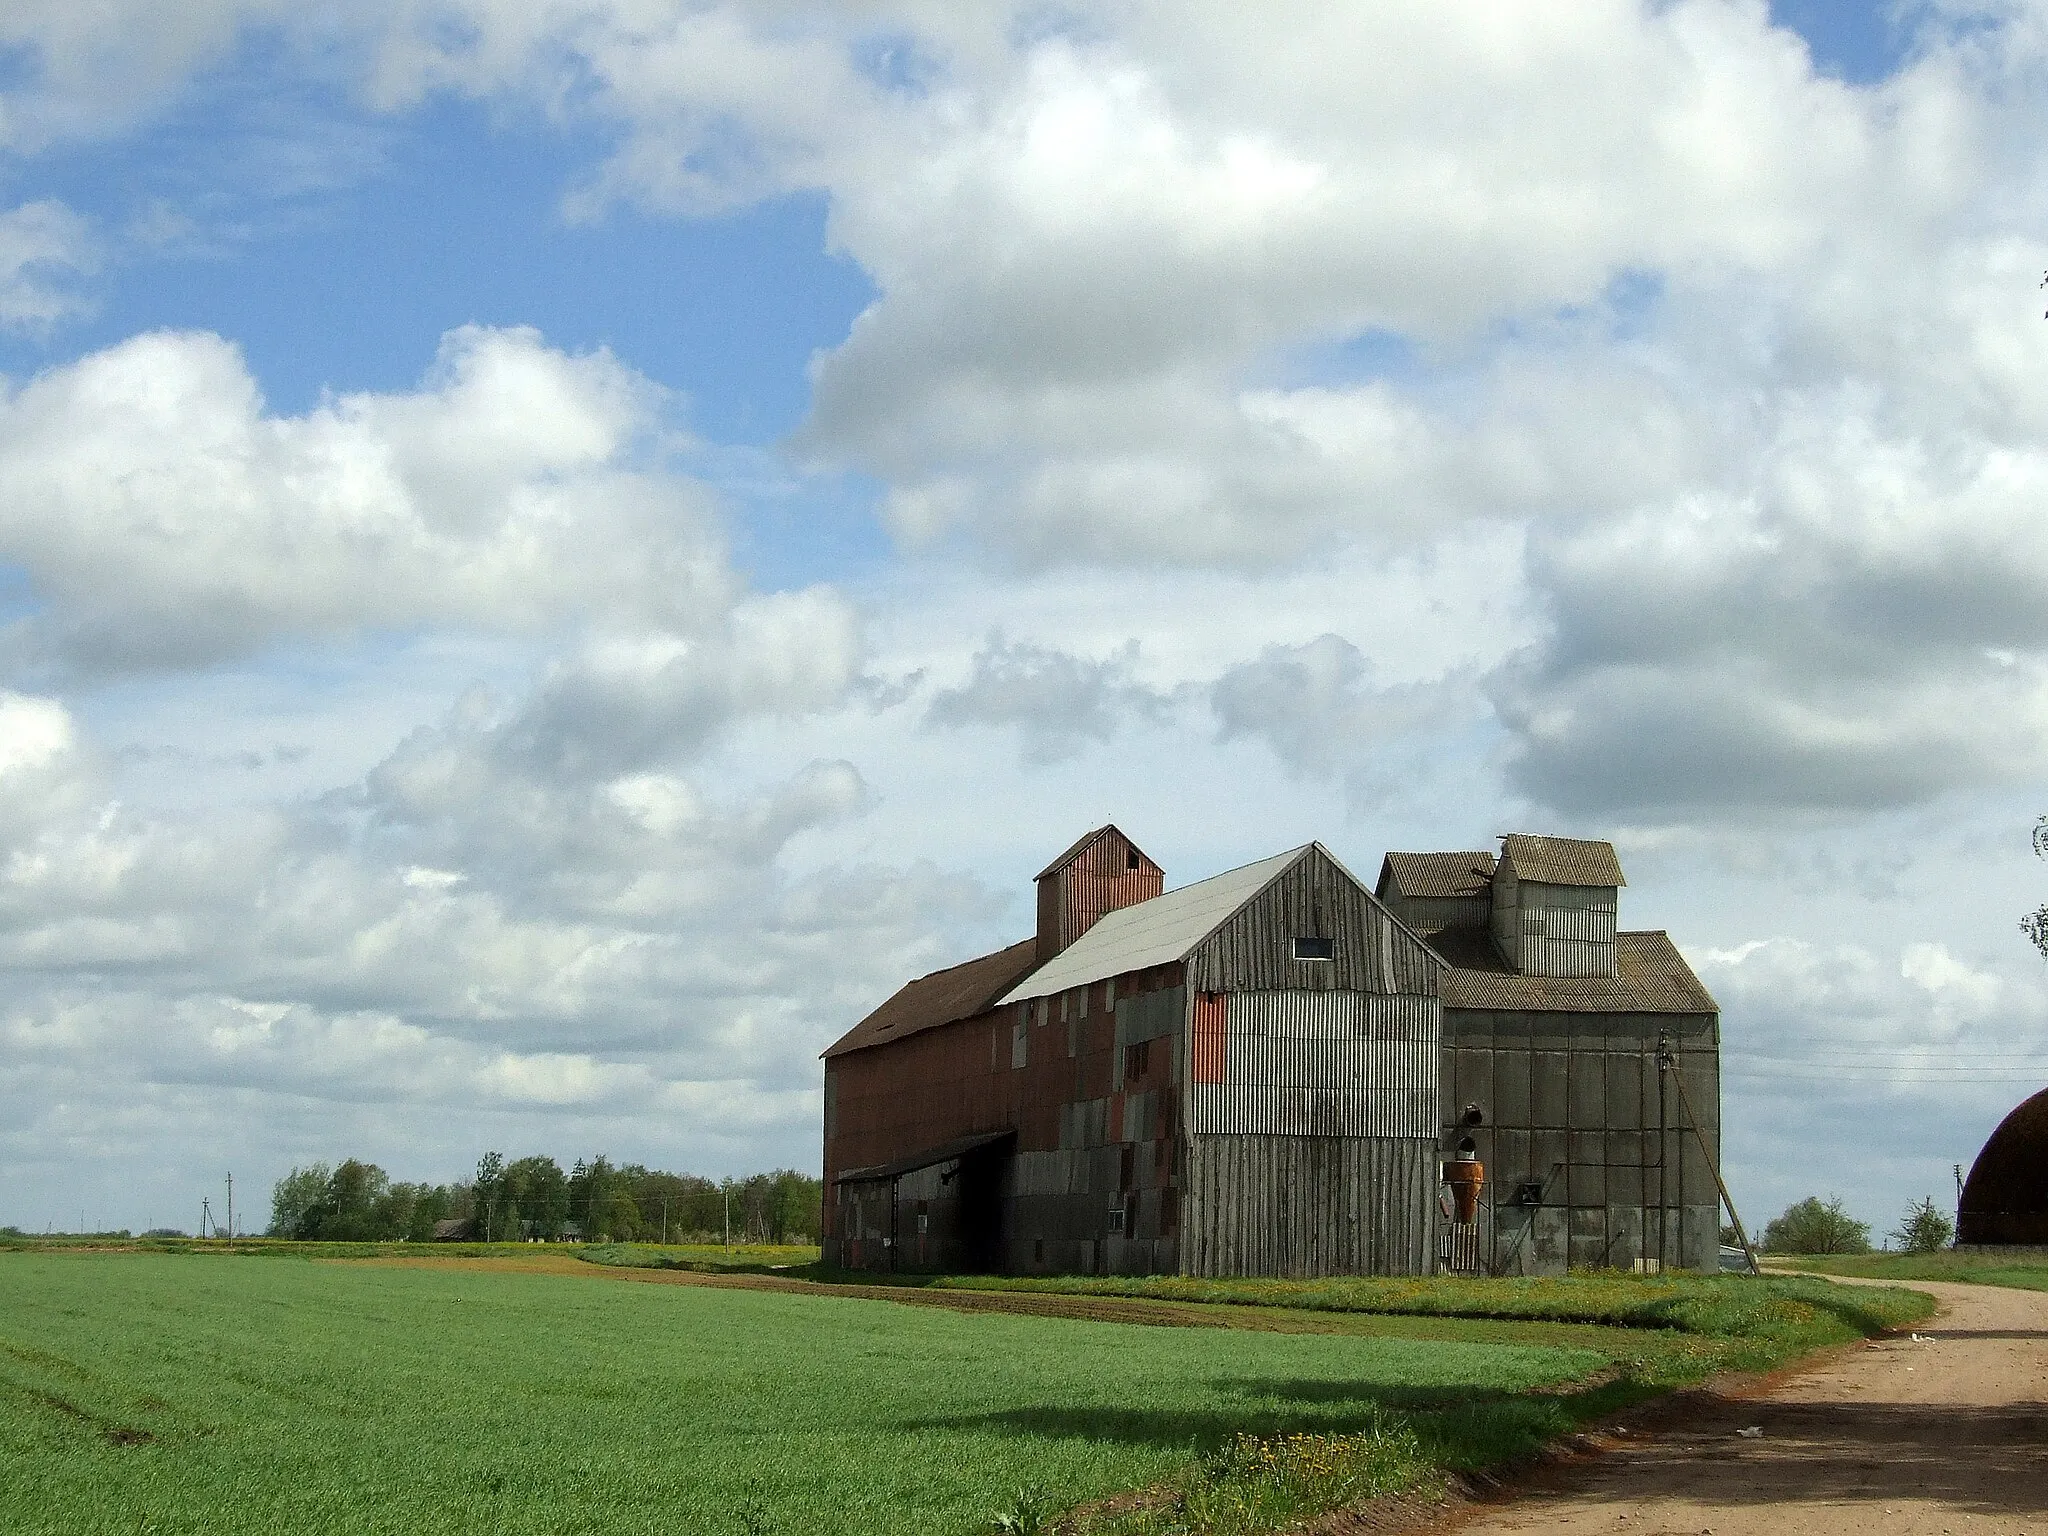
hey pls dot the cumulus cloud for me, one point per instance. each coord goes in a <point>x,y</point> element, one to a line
<point>83,71</point>
<point>1059,703</point>
<point>1864,624</point>
<point>166,519</point>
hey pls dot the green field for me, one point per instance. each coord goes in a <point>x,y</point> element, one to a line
<point>160,1392</point>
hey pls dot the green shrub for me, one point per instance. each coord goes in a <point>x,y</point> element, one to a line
<point>1810,1226</point>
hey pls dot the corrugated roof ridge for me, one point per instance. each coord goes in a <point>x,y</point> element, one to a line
<point>1443,856</point>
<point>1570,850</point>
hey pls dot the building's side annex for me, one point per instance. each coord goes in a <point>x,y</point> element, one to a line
<point>1554,1021</point>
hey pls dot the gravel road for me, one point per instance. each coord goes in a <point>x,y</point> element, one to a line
<point>1939,1434</point>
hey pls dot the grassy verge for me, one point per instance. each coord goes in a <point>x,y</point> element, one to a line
<point>1754,1324</point>
<point>705,1257</point>
<point>2027,1272</point>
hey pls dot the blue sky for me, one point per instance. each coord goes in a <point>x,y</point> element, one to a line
<point>550,555</point>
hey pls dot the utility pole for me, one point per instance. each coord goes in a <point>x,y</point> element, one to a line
<point>727,1192</point>
<point>205,1214</point>
<point>231,1206</point>
<point>664,1221</point>
<point>1667,1062</point>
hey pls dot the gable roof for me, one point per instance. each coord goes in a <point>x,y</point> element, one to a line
<point>958,992</point>
<point>1153,932</point>
<point>1085,842</point>
<point>1561,860</point>
<point>1653,978</point>
<point>1438,875</point>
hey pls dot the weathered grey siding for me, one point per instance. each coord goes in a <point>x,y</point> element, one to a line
<point>1432,912</point>
<point>1574,1105</point>
<point>1253,950</point>
<point>1555,930</point>
<point>1323,1064</point>
<point>1309,1205</point>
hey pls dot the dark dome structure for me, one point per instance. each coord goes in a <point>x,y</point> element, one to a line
<point>2006,1197</point>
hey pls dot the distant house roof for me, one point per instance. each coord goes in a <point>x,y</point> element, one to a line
<point>1438,875</point>
<point>958,992</point>
<point>1154,932</point>
<point>1561,860</point>
<point>1654,978</point>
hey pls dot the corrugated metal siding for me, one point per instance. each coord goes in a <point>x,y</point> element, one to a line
<point>1561,930</point>
<point>1253,950</point>
<point>1309,1205</point>
<point>1431,912</point>
<point>1097,880</point>
<point>1573,1102</point>
<point>1323,1064</point>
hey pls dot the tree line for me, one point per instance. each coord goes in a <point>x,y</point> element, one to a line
<point>532,1198</point>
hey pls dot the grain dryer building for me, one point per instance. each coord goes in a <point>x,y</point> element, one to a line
<point>1261,1073</point>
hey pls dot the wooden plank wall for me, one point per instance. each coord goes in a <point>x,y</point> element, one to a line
<point>1309,1205</point>
<point>1253,950</point>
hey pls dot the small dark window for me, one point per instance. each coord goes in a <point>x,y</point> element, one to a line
<point>1132,856</point>
<point>1315,949</point>
<point>1116,1217</point>
<point>1137,1060</point>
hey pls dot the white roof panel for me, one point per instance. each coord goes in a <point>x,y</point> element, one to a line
<point>1153,932</point>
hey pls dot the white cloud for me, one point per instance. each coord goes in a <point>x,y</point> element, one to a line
<point>166,519</point>
<point>44,249</point>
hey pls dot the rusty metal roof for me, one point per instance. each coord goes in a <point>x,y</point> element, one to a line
<point>958,992</point>
<point>1438,874</point>
<point>1654,978</point>
<point>1561,860</point>
<point>1154,932</point>
<point>2005,1199</point>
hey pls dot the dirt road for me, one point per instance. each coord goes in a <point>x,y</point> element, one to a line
<point>1940,1435</point>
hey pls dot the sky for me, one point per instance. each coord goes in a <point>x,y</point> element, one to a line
<point>553,553</point>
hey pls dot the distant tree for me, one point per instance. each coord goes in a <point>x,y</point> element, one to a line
<point>487,1195</point>
<point>295,1201</point>
<point>351,1212</point>
<point>2035,924</point>
<point>1813,1227</point>
<point>602,1196</point>
<point>1923,1229</point>
<point>539,1197</point>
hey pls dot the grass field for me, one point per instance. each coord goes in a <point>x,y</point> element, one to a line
<point>2027,1272</point>
<point>179,1392</point>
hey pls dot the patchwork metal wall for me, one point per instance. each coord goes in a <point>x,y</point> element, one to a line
<point>1319,1064</point>
<point>1590,1159</point>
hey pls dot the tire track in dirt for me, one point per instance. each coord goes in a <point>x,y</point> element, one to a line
<point>1939,1433</point>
